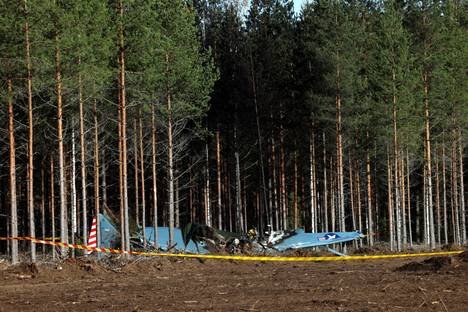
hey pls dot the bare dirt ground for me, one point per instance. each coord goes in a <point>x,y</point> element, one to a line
<point>433,284</point>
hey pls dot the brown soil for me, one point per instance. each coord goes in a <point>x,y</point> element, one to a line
<point>434,284</point>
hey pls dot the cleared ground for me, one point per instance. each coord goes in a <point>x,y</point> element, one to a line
<point>434,284</point>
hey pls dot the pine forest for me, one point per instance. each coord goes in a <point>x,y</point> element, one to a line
<point>349,115</point>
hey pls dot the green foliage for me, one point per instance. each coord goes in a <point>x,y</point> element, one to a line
<point>393,74</point>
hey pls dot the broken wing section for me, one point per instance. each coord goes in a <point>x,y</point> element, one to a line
<point>307,240</point>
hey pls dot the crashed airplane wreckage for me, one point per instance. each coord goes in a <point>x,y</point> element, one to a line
<point>202,239</point>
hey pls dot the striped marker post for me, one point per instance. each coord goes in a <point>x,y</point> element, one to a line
<point>92,238</point>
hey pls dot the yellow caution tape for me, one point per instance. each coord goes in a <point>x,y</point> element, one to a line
<point>238,258</point>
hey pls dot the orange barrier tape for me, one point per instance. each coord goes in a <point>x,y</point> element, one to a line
<point>232,257</point>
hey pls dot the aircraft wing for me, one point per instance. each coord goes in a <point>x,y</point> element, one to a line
<point>307,240</point>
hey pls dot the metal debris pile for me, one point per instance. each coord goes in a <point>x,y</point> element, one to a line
<point>202,239</point>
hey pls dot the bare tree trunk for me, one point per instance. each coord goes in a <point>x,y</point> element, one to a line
<point>170,158</point>
<point>13,199</point>
<point>426,231</point>
<point>207,186</point>
<point>410,229</point>
<point>259,138</point>
<point>444,194</point>
<point>96,176</point>
<point>227,191</point>
<point>437,204</point>
<point>104,178</point>
<point>52,203</point>
<point>218,178</point>
<point>351,192</point>
<point>239,218</point>
<point>84,198</point>
<point>401,173</point>
<point>284,204</point>
<point>462,188</point>
<point>275,194</point>
<point>455,207</point>
<point>313,184</point>
<point>430,208</point>
<point>417,218</point>
<point>43,206</point>
<point>136,176</point>
<point>62,182</point>
<point>154,172</point>
<point>396,179</point>
<point>142,171</point>
<point>332,196</point>
<point>121,200</point>
<point>370,225</point>
<point>359,204</point>
<point>339,152</point>
<point>30,176</point>
<point>73,190</point>
<point>244,202</point>
<point>390,203</point>
<point>296,217</point>
<point>123,111</point>
<point>176,199</point>
<point>325,185</point>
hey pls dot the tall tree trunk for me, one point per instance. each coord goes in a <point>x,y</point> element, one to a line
<point>428,165</point>
<point>136,175</point>
<point>207,186</point>
<point>408,196</point>
<point>339,150</point>
<point>333,189</point>
<point>259,138</point>
<point>121,199</point>
<point>244,202</point>
<point>359,206</point>
<point>176,199</point>
<point>444,194</point>
<point>32,230</point>
<point>391,225</point>
<point>96,176</point>
<point>401,173</point>
<point>284,204</point>
<point>426,231</point>
<point>104,178</point>
<point>142,172</point>
<point>84,198</point>
<point>370,225</point>
<point>218,178</point>
<point>455,206</point>
<point>123,120</point>
<point>396,178</point>
<point>325,185</point>
<point>462,188</point>
<point>43,200</point>
<point>275,193</point>
<point>170,158</point>
<point>73,190</point>
<point>62,182</point>
<point>13,199</point>
<point>351,192</point>
<point>239,218</point>
<point>313,184</point>
<point>52,203</point>
<point>437,204</point>
<point>296,217</point>
<point>154,172</point>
